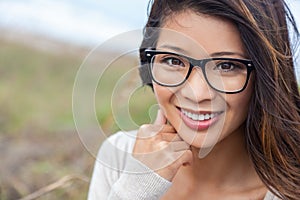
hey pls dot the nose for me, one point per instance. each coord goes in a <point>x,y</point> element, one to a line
<point>196,88</point>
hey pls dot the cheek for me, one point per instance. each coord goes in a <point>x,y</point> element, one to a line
<point>240,104</point>
<point>239,109</point>
<point>163,94</point>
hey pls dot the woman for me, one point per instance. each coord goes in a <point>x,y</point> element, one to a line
<point>229,120</point>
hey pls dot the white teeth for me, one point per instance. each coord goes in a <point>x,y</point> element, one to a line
<point>198,117</point>
<point>195,117</point>
<point>201,117</point>
<point>207,116</point>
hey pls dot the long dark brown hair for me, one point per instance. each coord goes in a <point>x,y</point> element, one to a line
<point>273,125</point>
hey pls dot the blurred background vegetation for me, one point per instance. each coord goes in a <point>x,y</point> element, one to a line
<point>39,145</point>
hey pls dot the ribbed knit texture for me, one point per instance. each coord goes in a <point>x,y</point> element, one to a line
<point>119,176</point>
<point>144,184</point>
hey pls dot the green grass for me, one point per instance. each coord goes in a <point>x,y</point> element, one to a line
<point>38,140</point>
<point>35,88</point>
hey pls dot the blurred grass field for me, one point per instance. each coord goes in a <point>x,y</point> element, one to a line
<point>39,144</point>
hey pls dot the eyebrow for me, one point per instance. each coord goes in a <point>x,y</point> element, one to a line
<point>174,48</point>
<point>227,53</point>
<point>215,54</point>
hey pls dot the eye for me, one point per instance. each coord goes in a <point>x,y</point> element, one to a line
<point>227,66</point>
<point>173,61</point>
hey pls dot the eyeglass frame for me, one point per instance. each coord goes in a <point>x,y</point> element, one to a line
<point>149,53</point>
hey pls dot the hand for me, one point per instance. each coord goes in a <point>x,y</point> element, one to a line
<point>160,148</point>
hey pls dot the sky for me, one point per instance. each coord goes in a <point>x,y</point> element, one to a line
<point>86,22</point>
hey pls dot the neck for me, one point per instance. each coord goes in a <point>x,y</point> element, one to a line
<point>225,164</point>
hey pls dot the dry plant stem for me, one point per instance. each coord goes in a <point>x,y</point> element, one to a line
<point>58,184</point>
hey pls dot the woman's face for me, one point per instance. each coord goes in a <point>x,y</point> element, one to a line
<point>185,106</point>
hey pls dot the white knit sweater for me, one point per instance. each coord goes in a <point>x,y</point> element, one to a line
<point>118,176</point>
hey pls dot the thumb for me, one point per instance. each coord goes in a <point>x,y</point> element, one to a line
<point>160,118</point>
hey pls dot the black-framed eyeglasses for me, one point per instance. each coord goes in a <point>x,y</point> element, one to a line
<point>226,75</point>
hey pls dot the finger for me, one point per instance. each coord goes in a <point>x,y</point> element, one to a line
<point>150,130</point>
<point>170,137</point>
<point>160,118</point>
<point>178,146</point>
<point>163,129</point>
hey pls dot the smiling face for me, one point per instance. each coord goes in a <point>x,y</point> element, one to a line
<point>202,116</point>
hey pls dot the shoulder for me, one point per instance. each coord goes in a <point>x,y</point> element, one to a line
<point>111,160</point>
<point>123,140</point>
<point>120,141</point>
<point>271,196</point>
<point>116,149</point>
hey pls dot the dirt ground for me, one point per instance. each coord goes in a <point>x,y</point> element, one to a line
<point>32,162</point>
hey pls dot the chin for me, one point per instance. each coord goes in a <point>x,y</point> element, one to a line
<point>201,140</point>
<point>205,143</point>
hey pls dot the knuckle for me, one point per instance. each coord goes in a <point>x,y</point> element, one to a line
<point>145,131</point>
<point>150,129</point>
<point>144,127</point>
<point>160,145</point>
<point>157,128</point>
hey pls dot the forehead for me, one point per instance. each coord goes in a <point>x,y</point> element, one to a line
<point>197,34</point>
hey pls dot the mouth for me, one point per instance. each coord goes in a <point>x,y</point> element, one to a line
<point>200,117</point>
<point>200,120</point>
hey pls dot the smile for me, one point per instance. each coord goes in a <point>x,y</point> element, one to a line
<point>201,120</point>
<point>199,117</point>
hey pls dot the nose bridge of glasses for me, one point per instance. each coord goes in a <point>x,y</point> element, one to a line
<point>198,63</point>
<point>197,69</point>
<point>197,66</point>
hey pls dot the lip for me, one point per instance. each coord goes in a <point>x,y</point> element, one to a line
<point>199,125</point>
